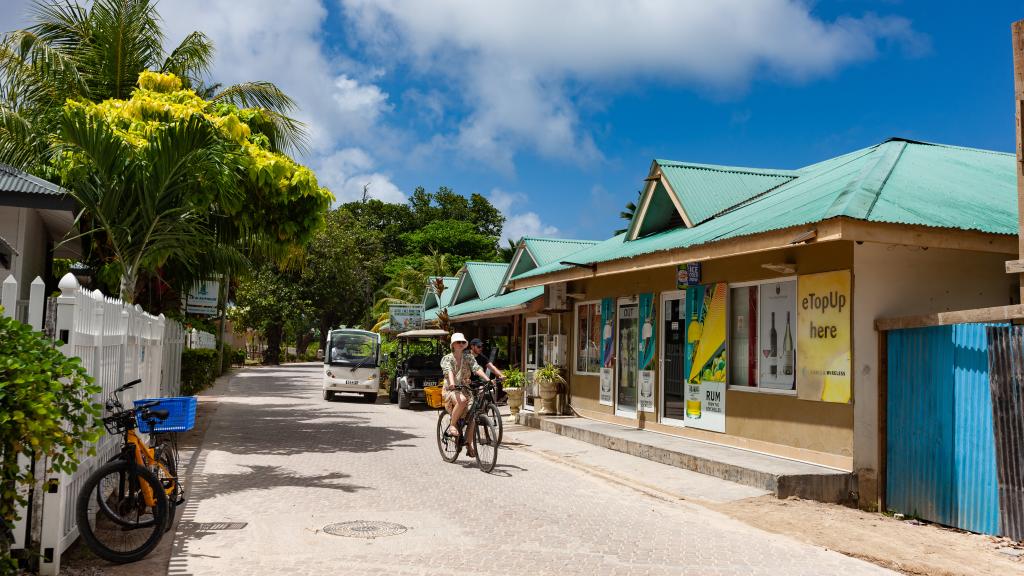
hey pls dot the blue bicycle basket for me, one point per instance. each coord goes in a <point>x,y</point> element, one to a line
<point>181,414</point>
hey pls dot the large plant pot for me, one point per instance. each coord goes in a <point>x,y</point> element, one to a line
<point>515,399</point>
<point>548,392</point>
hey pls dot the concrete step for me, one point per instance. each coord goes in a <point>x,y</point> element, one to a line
<point>779,476</point>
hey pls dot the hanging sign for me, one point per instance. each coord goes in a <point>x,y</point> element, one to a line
<point>202,299</point>
<point>706,356</point>
<point>405,317</point>
<point>687,275</point>
<point>607,350</point>
<point>823,337</point>
<point>646,353</point>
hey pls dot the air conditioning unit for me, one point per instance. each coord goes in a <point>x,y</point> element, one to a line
<point>555,298</point>
<point>556,354</point>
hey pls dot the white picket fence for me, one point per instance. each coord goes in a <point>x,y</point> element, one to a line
<point>117,343</point>
<point>200,339</point>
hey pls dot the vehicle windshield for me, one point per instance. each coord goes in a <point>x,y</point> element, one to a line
<point>352,348</point>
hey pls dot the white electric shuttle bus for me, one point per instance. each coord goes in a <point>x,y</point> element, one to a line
<point>352,363</point>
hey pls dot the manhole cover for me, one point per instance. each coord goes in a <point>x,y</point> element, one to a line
<point>365,529</point>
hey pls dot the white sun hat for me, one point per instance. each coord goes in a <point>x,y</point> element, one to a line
<point>458,337</point>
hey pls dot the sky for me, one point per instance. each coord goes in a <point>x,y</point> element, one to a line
<point>555,110</point>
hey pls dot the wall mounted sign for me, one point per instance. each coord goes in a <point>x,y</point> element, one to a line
<point>607,350</point>
<point>646,353</point>
<point>706,356</point>
<point>823,337</point>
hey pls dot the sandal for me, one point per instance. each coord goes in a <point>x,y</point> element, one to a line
<point>453,431</point>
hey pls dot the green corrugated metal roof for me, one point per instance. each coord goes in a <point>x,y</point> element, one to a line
<point>705,190</point>
<point>430,299</point>
<point>514,298</point>
<point>486,276</point>
<point>897,181</point>
<point>547,250</point>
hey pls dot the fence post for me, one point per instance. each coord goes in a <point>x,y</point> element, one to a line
<point>36,302</point>
<point>52,525</point>
<point>9,296</point>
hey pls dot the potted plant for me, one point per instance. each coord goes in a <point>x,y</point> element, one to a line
<point>513,386</point>
<point>548,380</point>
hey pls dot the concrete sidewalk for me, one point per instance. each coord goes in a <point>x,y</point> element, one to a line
<point>779,476</point>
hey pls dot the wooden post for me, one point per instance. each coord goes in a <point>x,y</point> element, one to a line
<point>1017,29</point>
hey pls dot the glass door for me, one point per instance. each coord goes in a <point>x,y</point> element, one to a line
<point>536,338</point>
<point>627,358</point>
<point>673,352</point>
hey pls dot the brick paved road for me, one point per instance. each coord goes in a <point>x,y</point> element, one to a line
<point>287,463</point>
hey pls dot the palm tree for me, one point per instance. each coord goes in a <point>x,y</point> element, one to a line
<point>97,52</point>
<point>506,253</point>
<point>628,213</point>
<point>139,196</point>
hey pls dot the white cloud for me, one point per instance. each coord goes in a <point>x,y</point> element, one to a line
<point>283,42</point>
<point>518,61</point>
<point>518,224</point>
<point>348,170</point>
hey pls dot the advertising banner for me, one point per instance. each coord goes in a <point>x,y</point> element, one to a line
<point>607,350</point>
<point>706,356</point>
<point>823,336</point>
<point>202,299</point>
<point>776,369</point>
<point>403,317</point>
<point>646,353</point>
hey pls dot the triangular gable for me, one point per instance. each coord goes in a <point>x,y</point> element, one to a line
<point>533,252</point>
<point>486,276</point>
<point>687,194</point>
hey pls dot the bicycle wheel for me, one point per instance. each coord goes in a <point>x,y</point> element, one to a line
<point>449,446</point>
<point>485,443</point>
<point>495,414</point>
<point>123,528</point>
<point>168,474</point>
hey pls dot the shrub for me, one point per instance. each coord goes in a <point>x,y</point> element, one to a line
<point>225,362</point>
<point>239,356</point>
<point>310,355</point>
<point>46,411</point>
<point>198,370</point>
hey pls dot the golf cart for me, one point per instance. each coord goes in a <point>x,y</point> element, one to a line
<point>419,365</point>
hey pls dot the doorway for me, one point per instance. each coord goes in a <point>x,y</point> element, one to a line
<point>627,357</point>
<point>673,354</point>
<point>536,339</point>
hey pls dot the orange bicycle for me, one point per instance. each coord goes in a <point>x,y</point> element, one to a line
<point>126,505</point>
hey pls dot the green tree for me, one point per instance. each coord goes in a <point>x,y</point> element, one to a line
<point>452,237</point>
<point>628,213</point>
<point>268,299</point>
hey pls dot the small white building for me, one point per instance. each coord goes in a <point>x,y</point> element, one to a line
<point>35,216</point>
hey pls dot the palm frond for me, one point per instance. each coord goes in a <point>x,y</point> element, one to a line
<point>191,59</point>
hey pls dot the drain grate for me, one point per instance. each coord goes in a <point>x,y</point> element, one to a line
<point>208,526</point>
<point>365,529</point>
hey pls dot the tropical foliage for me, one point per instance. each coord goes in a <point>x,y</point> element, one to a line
<point>46,411</point>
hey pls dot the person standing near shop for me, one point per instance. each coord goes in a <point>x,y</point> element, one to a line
<point>476,346</point>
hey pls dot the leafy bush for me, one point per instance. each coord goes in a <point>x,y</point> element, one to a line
<point>198,370</point>
<point>514,378</point>
<point>310,355</point>
<point>239,356</point>
<point>46,410</point>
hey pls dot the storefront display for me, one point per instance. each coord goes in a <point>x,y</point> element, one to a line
<point>706,356</point>
<point>607,350</point>
<point>646,353</point>
<point>777,304</point>
<point>823,336</point>
<point>627,353</point>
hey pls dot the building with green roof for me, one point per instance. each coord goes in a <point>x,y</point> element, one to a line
<point>739,307</point>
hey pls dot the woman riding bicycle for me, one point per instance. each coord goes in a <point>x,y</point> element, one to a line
<point>458,367</point>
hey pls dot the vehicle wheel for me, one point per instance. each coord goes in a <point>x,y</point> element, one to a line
<point>123,528</point>
<point>403,399</point>
<point>370,397</point>
<point>495,414</point>
<point>169,479</point>
<point>328,395</point>
<point>485,443</point>
<point>448,446</point>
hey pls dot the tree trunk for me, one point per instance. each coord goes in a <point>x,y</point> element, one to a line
<point>302,344</point>
<point>129,278</point>
<point>272,355</point>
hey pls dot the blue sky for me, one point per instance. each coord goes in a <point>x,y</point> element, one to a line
<point>555,110</point>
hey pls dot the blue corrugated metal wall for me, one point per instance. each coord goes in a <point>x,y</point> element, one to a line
<point>941,449</point>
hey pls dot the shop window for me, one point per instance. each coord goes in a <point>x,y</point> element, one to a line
<point>762,344</point>
<point>588,338</point>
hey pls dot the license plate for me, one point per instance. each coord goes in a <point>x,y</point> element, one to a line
<point>430,383</point>
<point>351,381</point>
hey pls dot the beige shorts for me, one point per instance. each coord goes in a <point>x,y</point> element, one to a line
<point>451,397</point>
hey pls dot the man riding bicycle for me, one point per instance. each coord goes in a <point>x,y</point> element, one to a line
<point>458,367</point>
<point>476,346</point>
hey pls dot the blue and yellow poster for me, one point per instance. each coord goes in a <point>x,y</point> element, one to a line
<point>706,356</point>
<point>646,347</point>
<point>607,350</point>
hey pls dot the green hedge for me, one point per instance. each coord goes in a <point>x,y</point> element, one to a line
<point>229,354</point>
<point>198,370</point>
<point>239,356</point>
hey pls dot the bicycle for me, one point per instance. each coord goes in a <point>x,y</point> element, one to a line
<point>125,506</point>
<point>487,438</point>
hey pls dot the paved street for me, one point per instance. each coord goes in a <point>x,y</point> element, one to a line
<point>280,459</point>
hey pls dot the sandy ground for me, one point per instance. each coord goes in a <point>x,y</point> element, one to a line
<point>905,546</point>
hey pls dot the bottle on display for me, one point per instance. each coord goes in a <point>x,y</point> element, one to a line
<point>773,347</point>
<point>787,350</point>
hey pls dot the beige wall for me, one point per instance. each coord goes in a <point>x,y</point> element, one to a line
<point>891,281</point>
<point>23,229</point>
<point>782,424</point>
